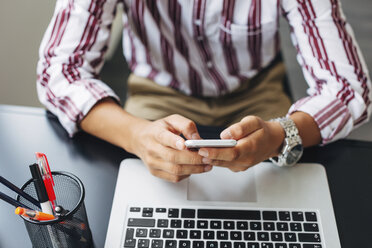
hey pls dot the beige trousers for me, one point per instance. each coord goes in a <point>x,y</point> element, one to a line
<point>261,96</point>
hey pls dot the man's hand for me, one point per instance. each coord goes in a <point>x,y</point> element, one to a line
<point>162,149</point>
<point>157,143</point>
<point>257,140</point>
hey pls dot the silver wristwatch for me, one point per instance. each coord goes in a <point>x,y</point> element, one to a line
<point>292,146</point>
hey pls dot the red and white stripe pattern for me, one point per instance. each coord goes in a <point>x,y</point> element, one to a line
<point>205,48</point>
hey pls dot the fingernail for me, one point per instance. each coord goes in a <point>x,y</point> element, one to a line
<point>226,134</point>
<point>206,161</point>
<point>208,168</point>
<point>203,153</point>
<point>195,136</point>
<point>179,144</point>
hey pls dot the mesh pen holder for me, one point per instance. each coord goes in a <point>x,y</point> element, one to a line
<point>69,230</point>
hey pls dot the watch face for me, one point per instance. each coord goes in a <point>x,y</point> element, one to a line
<point>294,154</point>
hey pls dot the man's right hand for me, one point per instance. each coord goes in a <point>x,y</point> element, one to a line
<point>162,149</point>
<point>157,143</point>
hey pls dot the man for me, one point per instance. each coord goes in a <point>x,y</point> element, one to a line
<point>208,62</point>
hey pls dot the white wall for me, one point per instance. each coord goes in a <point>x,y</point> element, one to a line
<point>22,24</point>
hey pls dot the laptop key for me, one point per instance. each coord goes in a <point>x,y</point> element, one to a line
<point>222,235</point>
<point>147,210</point>
<point>294,245</point>
<point>297,216</point>
<point>140,232</point>
<point>310,216</point>
<point>296,227</point>
<point>284,215</point>
<point>309,237</point>
<point>216,224</point>
<point>225,244</point>
<point>235,235</point>
<point>290,237</point>
<point>229,214</point>
<point>212,244</point>
<point>311,227</point>
<point>130,243</point>
<point>312,246</point>
<point>242,225</point>
<point>267,245</point>
<point>195,234</point>
<point>184,244</point>
<point>269,226</point>
<point>130,233</point>
<point>155,233</point>
<point>170,243</point>
<point>181,234</point>
<point>249,236</point>
<point>281,245</point>
<point>263,236</point>
<point>168,233</point>
<point>176,223</point>
<point>147,214</point>
<point>188,224</point>
<point>202,224</point>
<point>255,226</point>
<point>208,234</point>
<point>269,215</point>
<point>134,209</point>
<point>198,244</point>
<point>161,210</point>
<point>253,245</point>
<point>141,222</point>
<point>188,213</point>
<point>162,223</point>
<point>276,236</point>
<point>143,243</point>
<point>239,245</point>
<point>173,212</point>
<point>282,226</point>
<point>229,225</point>
<point>157,243</point>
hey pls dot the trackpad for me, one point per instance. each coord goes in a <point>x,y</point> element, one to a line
<point>221,184</point>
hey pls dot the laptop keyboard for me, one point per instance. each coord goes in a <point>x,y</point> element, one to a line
<point>148,227</point>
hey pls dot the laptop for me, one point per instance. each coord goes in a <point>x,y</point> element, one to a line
<point>263,207</point>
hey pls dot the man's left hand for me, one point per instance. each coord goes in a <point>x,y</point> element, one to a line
<point>257,140</point>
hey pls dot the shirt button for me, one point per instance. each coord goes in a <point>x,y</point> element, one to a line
<point>197,22</point>
<point>209,64</point>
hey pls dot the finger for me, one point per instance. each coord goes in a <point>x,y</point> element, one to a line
<point>180,157</point>
<point>225,154</point>
<point>167,176</point>
<point>179,169</point>
<point>241,129</point>
<point>234,166</point>
<point>169,139</point>
<point>183,125</point>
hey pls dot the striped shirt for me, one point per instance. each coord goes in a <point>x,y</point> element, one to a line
<point>205,48</point>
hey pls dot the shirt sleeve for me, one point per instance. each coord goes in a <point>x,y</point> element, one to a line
<point>71,57</point>
<point>339,93</point>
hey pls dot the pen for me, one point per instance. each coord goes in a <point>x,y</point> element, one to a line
<point>40,189</point>
<point>47,176</point>
<point>33,214</point>
<point>11,201</point>
<point>19,191</point>
<point>44,200</point>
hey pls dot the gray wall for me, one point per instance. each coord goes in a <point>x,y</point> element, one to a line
<point>22,24</point>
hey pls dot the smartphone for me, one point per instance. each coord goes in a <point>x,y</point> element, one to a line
<point>210,143</point>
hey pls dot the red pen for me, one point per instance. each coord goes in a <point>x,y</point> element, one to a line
<point>47,177</point>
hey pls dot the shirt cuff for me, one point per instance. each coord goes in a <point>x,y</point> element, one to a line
<point>79,100</point>
<point>331,115</point>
